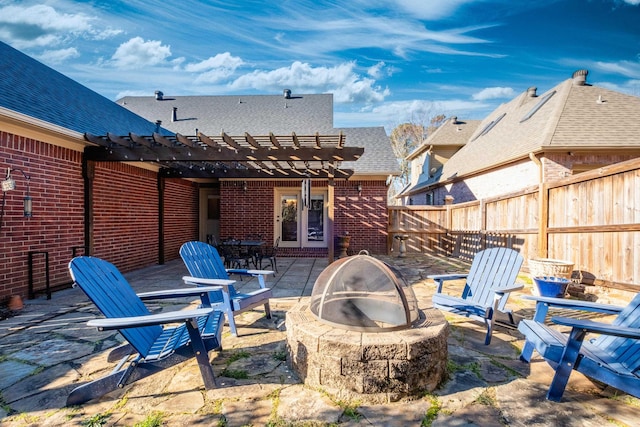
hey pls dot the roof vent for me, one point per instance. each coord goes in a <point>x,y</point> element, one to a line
<point>174,114</point>
<point>454,120</point>
<point>287,93</point>
<point>159,95</point>
<point>531,92</point>
<point>580,77</point>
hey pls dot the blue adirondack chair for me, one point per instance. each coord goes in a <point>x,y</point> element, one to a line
<point>613,357</point>
<point>491,278</point>
<point>151,346</point>
<point>206,268</point>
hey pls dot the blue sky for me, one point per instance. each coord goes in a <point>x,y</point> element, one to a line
<point>386,62</point>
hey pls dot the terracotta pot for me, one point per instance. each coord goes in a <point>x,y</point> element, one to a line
<point>15,303</point>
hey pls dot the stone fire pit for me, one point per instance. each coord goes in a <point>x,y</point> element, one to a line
<point>361,334</point>
<point>373,367</point>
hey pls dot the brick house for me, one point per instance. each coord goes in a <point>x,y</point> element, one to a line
<point>360,202</point>
<point>571,128</point>
<point>65,146</point>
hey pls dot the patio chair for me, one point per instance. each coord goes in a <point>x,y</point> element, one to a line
<point>613,357</point>
<point>490,280</point>
<point>205,268</point>
<point>151,345</point>
<point>269,255</point>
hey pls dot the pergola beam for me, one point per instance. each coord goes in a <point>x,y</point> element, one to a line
<point>224,156</point>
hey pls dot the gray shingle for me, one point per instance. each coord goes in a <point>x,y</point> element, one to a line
<point>31,88</point>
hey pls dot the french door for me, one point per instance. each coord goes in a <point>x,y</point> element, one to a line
<point>300,223</point>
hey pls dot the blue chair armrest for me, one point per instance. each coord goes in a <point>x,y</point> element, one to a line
<point>507,289</point>
<point>441,278</point>
<point>598,327</point>
<point>148,320</point>
<point>574,304</point>
<point>447,276</point>
<point>201,281</point>
<point>177,293</point>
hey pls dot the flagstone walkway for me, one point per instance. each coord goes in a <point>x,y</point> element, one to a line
<point>46,350</point>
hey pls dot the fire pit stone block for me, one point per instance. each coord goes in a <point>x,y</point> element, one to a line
<point>373,367</point>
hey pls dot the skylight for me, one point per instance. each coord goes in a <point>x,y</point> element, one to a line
<point>536,107</point>
<point>489,126</point>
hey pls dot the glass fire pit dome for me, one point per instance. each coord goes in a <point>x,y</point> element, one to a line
<point>362,293</point>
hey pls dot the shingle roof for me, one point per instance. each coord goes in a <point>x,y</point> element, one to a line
<point>261,114</point>
<point>236,114</point>
<point>452,132</point>
<point>378,157</point>
<point>33,89</point>
<point>570,118</point>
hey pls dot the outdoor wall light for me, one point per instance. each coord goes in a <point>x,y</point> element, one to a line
<point>9,184</point>
<point>359,189</point>
<point>244,186</point>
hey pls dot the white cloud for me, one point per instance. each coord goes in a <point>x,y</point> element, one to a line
<point>42,25</point>
<point>391,114</point>
<point>341,80</point>
<point>59,56</point>
<point>432,9</point>
<point>137,53</point>
<point>626,68</point>
<point>493,93</point>
<point>216,68</point>
<point>376,71</point>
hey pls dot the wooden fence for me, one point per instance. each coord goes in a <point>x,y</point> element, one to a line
<point>591,219</point>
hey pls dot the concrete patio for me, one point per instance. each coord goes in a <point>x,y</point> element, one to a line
<point>46,350</point>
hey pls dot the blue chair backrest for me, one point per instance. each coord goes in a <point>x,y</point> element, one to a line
<point>203,260</point>
<point>626,351</point>
<point>111,293</point>
<point>491,268</point>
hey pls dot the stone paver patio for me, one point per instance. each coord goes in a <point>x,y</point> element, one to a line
<point>46,350</point>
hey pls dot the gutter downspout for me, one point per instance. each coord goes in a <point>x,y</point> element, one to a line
<point>543,214</point>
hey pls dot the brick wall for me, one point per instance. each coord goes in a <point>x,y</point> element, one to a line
<point>125,225</point>
<point>363,216</point>
<point>180,215</point>
<point>57,223</point>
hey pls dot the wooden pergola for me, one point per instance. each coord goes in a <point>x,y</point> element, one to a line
<point>302,157</point>
<point>224,156</point>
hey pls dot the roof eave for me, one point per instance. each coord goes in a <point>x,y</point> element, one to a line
<point>30,127</point>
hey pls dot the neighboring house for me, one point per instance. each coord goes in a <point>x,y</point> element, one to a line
<point>109,199</point>
<point>283,115</point>
<point>571,128</point>
<point>427,160</point>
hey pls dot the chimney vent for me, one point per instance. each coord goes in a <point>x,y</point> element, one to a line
<point>174,114</point>
<point>159,95</point>
<point>158,124</point>
<point>287,93</point>
<point>531,92</point>
<point>580,77</point>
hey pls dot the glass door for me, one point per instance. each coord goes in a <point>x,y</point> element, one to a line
<point>287,221</point>
<point>299,224</point>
